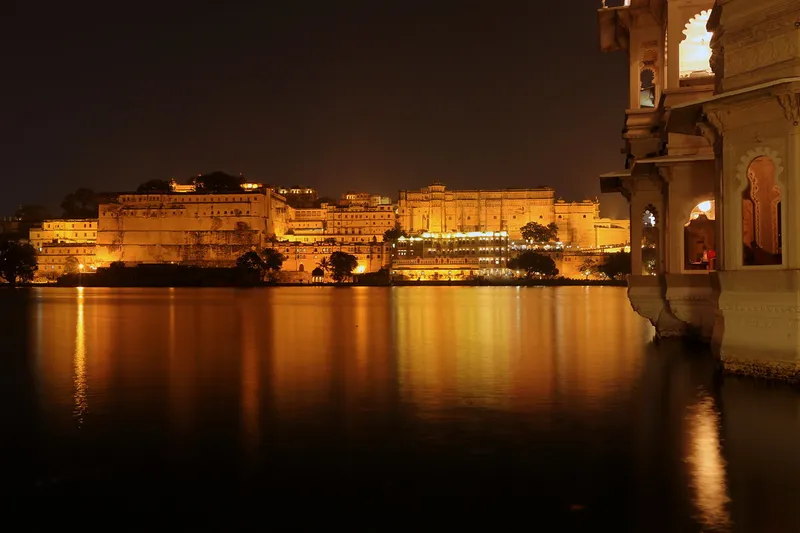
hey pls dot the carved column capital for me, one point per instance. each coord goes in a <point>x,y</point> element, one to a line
<point>790,102</point>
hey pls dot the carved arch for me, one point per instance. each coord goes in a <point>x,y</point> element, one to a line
<point>742,181</point>
<point>653,211</point>
<point>695,28</point>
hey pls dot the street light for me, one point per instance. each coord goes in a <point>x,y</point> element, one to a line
<point>80,274</point>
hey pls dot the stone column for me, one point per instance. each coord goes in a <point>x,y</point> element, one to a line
<point>636,207</point>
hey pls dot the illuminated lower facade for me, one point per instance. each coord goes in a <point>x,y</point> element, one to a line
<point>451,256</point>
<point>55,260</point>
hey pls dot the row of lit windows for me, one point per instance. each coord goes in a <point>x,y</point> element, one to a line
<point>62,226</point>
<point>182,199</point>
<point>143,214</point>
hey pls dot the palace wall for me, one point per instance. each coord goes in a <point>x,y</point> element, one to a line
<point>210,229</point>
<point>435,209</point>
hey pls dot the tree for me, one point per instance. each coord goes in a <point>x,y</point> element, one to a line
<point>273,259</point>
<point>534,264</point>
<point>72,265</point>
<point>324,264</point>
<point>393,234</point>
<point>80,204</point>
<point>219,182</point>
<point>342,265</point>
<point>251,261</point>
<point>588,267</point>
<point>155,185</point>
<point>535,232</point>
<point>616,265</point>
<point>32,213</point>
<point>17,261</point>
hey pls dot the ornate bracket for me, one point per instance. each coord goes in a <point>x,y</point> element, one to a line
<point>790,102</point>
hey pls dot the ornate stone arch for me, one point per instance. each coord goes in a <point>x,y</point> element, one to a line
<point>687,206</point>
<point>747,159</point>
<point>653,211</point>
<point>744,179</point>
<point>694,25</point>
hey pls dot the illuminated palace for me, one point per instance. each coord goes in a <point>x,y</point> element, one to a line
<point>438,210</point>
<point>712,172</point>
<point>64,245</point>
<point>456,256</point>
<point>188,227</point>
<point>356,218</point>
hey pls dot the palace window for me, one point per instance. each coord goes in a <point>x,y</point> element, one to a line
<point>761,215</point>
<point>695,49</point>
<point>699,242</point>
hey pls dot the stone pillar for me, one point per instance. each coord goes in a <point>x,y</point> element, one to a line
<point>636,236</point>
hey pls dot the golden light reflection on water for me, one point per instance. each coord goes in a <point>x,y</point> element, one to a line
<point>707,467</point>
<point>250,382</point>
<point>81,383</point>
<point>497,347</point>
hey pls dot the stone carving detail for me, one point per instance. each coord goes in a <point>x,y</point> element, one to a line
<point>755,34</point>
<point>744,166</point>
<point>790,103</point>
<point>770,51</point>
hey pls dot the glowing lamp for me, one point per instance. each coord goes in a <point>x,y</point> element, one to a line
<point>705,207</point>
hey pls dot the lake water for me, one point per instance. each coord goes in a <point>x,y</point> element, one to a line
<point>548,409</point>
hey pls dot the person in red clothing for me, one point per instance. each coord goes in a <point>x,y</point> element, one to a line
<point>712,259</point>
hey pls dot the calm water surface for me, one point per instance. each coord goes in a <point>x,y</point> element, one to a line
<point>546,409</point>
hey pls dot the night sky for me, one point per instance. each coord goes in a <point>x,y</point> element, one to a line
<point>371,95</point>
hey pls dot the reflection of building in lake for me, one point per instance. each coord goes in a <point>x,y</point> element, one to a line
<point>451,256</point>
<point>722,74</point>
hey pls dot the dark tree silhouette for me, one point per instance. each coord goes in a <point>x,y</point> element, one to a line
<point>588,267</point>
<point>154,186</point>
<point>393,234</point>
<point>219,182</point>
<point>251,261</point>
<point>32,213</point>
<point>342,265</point>
<point>17,261</point>
<point>80,204</point>
<point>616,265</point>
<point>72,266</point>
<point>535,232</point>
<point>534,265</point>
<point>273,261</point>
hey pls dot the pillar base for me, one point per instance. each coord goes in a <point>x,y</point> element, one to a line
<point>648,298</point>
<point>692,299</point>
<point>757,327</point>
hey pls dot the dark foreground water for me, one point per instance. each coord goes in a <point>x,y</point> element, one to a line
<point>540,409</point>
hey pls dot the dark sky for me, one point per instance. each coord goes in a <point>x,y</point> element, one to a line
<point>369,95</point>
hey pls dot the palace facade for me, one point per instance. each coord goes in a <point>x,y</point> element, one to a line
<point>435,209</point>
<point>356,218</point>
<point>211,229</point>
<point>712,172</point>
<point>64,245</point>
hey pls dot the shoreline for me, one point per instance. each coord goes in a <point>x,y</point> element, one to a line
<point>201,285</point>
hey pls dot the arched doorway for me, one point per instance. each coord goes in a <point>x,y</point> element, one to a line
<point>699,237</point>
<point>762,238</point>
